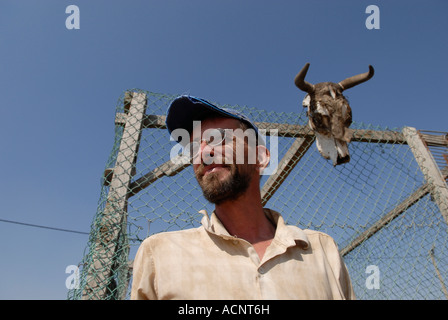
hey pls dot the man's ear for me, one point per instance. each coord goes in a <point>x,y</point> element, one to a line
<point>263,158</point>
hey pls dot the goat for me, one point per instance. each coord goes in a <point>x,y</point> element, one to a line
<point>329,113</point>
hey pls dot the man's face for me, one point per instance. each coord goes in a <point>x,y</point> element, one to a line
<point>223,178</point>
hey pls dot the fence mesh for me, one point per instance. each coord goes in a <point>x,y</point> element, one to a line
<point>384,208</point>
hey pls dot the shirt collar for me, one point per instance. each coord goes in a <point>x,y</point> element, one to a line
<point>284,234</point>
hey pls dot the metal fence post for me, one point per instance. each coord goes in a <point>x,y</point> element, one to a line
<point>111,228</point>
<point>433,176</point>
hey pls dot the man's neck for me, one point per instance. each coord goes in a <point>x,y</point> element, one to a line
<point>244,217</point>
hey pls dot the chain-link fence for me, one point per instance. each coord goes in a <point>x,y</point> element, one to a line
<point>386,209</point>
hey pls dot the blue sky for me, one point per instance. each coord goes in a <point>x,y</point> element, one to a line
<point>60,87</point>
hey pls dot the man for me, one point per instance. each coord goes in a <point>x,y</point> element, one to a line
<point>242,251</point>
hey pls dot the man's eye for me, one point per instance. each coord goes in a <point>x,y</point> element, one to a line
<point>214,140</point>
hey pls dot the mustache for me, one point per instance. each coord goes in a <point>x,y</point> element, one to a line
<point>207,160</point>
<point>200,170</point>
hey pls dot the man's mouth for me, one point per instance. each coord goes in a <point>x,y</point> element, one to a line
<point>214,168</point>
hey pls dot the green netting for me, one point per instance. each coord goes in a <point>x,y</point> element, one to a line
<point>382,208</point>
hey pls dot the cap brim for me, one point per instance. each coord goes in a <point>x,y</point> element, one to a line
<point>186,109</point>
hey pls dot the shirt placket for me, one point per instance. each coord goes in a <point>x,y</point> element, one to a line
<point>258,269</point>
<point>265,285</point>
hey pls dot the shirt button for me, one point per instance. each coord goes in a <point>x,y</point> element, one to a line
<point>235,241</point>
<point>261,270</point>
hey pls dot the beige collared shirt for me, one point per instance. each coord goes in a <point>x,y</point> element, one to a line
<point>208,263</point>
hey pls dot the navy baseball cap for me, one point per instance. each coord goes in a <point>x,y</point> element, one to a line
<point>185,109</point>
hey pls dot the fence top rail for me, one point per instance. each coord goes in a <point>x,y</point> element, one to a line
<point>286,130</point>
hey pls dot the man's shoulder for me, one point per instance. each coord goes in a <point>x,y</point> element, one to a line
<point>315,236</point>
<point>318,238</point>
<point>171,237</point>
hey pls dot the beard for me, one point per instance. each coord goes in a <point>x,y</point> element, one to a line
<point>217,190</point>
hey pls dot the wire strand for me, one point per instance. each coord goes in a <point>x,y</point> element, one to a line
<point>43,227</point>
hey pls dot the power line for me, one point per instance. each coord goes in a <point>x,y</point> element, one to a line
<point>43,227</point>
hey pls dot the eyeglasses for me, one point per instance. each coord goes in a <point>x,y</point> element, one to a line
<point>213,138</point>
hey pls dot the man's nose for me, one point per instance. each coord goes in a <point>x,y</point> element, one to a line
<point>206,152</point>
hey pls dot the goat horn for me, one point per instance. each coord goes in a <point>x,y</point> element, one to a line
<point>300,80</point>
<point>355,80</point>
